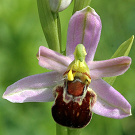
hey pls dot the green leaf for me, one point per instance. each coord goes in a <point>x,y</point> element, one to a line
<point>123,50</point>
<point>50,24</point>
<point>80,4</point>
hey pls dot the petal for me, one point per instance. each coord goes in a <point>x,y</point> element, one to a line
<point>35,88</point>
<point>110,103</point>
<point>111,67</point>
<point>84,28</point>
<point>52,60</point>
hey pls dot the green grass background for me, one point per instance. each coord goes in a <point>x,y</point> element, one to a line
<point>20,37</point>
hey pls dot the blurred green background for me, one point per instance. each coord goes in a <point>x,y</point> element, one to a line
<point>20,37</point>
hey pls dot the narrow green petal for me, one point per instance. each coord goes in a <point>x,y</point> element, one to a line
<point>123,50</point>
<point>80,4</point>
<point>49,22</point>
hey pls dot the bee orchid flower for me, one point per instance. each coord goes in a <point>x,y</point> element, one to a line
<point>75,84</point>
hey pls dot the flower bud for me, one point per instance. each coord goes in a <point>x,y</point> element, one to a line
<point>59,5</point>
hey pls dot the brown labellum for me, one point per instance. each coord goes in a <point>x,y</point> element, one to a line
<point>73,103</point>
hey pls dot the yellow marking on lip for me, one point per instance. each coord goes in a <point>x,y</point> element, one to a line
<point>70,75</point>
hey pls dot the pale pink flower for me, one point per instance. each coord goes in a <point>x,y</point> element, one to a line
<point>85,28</point>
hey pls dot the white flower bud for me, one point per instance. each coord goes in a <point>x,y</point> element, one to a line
<point>59,5</point>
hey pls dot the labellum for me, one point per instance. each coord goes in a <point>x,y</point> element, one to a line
<point>73,104</point>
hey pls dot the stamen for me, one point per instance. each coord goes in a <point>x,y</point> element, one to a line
<point>70,75</point>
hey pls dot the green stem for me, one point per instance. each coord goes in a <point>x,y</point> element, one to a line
<point>60,130</point>
<point>80,4</point>
<point>49,24</point>
<point>71,131</point>
<point>57,23</point>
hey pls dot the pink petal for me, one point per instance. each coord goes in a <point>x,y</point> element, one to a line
<point>35,88</point>
<point>110,103</point>
<point>52,60</point>
<point>84,28</point>
<point>107,68</point>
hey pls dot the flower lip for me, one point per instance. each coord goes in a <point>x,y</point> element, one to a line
<point>72,108</point>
